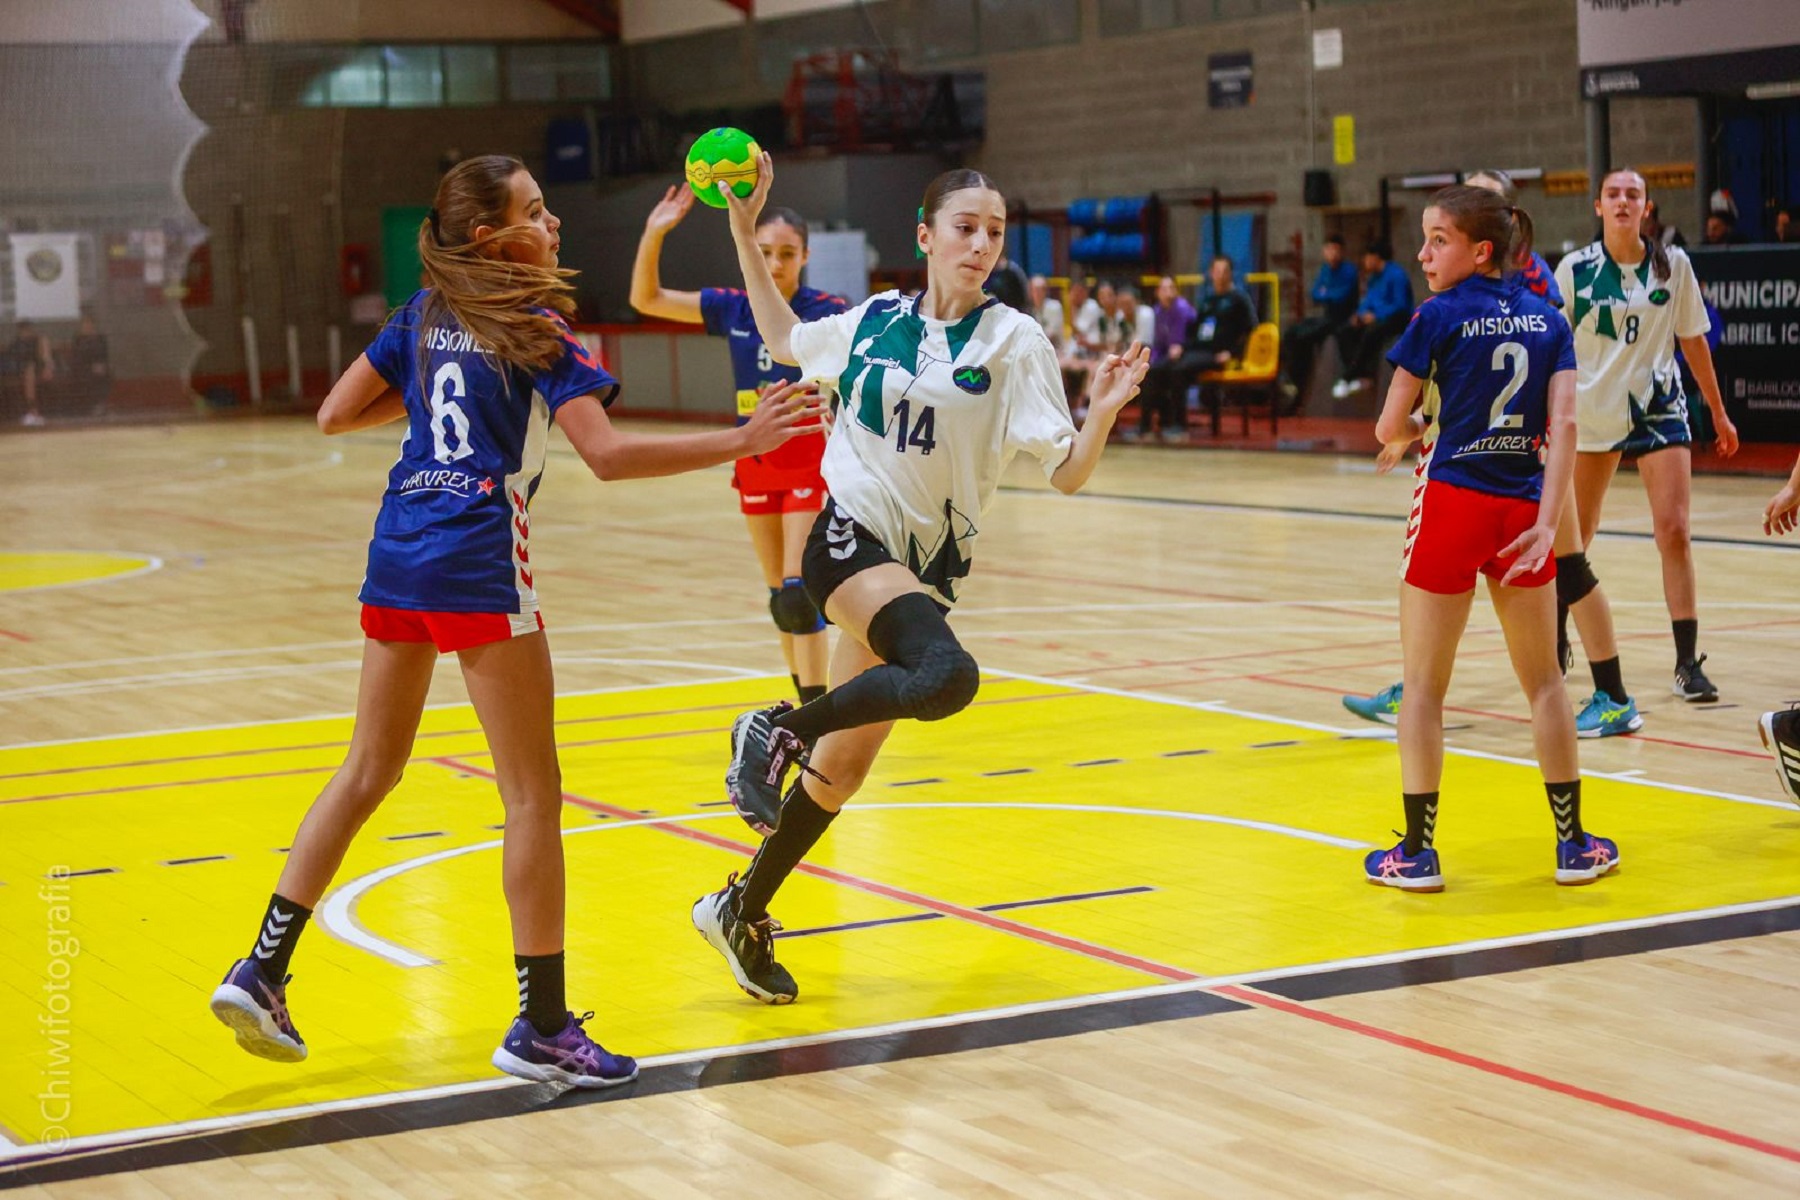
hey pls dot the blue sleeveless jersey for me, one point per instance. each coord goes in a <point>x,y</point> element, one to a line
<point>453,531</point>
<point>1487,349</point>
<point>726,312</point>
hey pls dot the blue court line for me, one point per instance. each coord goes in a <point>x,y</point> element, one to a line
<point>932,916</point>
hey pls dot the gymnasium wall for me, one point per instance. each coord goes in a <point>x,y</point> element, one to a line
<point>1109,115</point>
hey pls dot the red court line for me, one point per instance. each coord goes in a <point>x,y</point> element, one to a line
<point>972,915</point>
<point>1263,999</point>
<point>17,637</point>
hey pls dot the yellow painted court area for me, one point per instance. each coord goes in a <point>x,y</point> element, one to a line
<point>21,570</point>
<point>1219,843</point>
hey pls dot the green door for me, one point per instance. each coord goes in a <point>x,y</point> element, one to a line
<point>400,252</point>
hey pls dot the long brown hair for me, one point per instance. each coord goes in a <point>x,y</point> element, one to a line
<point>494,300</point>
<point>1658,253</point>
<point>1484,215</point>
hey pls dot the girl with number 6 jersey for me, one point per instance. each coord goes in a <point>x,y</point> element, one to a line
<point>478,364</point>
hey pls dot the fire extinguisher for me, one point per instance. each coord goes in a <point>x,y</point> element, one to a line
<point>353,269</point>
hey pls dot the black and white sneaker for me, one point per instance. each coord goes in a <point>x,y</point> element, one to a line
<point>748,946</point>
<point>1781,737</point>
<point>761,753</point>
<point>1692,685</point>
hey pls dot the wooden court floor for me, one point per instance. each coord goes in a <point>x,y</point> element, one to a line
<point>1103,934</point>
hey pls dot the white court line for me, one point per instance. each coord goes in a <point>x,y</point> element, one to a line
<point>337,915</point>
<point>150,563</point>
<point>1220,706</point>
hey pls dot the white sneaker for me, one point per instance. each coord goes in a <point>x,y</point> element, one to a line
<point>1340,389</point>
<point>32,421</point>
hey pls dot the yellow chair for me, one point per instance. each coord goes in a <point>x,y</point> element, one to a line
<point>1251,378</point>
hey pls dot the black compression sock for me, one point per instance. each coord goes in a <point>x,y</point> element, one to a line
<point>1687,640</point>
<point>801,824</point>
<point>810,692</point>
<point>1609,678</point>
<point>1421,820</point>
<point>281,928</point>
<point>541,998</point>
<point>1565,806</point>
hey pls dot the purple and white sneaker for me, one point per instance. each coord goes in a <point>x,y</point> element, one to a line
<point>571,1057</point>
<point>256,1010</point>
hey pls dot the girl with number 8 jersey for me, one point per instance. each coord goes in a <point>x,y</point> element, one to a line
<point>479,364</point>
<point>1496,364</point>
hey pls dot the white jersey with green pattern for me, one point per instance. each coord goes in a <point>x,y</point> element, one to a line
<point>1628,387</point>
<point>930,413</point>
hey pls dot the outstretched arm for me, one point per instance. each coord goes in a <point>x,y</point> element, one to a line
<point>1116,381</point>
<point>774,319</point>
<point>613,453</point>
<point>648,295</point>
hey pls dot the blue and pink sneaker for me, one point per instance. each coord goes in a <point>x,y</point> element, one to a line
<point>1585,859</point>
<point>1396,868</point>
<point>256,1010</point>
<point>570,1057</point>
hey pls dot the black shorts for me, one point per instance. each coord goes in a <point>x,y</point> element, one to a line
<point>837,548</point>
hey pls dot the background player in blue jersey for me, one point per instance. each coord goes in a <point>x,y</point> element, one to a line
<point>1611,710</point>
<point>781,492</point>
<point>478,364</point>
<point>1498,365</point>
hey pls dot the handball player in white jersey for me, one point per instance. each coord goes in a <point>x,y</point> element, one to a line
<point>936,393</point>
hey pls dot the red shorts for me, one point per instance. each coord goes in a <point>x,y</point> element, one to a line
<point>773,501</point>
<point>449,631</point>
<point>1455,534</point>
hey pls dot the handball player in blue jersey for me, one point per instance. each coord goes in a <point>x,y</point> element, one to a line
<point>1496,364</point>
<point>1611,711</point>
<point>782,492</point>
<point>479,364</point>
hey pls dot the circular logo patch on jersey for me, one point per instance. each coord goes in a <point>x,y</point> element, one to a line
<point>1659,296</point>
<point>973,380</point>
<point>45,266</point>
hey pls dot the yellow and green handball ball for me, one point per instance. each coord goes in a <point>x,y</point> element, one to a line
<point>723,155</point>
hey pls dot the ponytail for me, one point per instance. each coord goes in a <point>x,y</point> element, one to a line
<point>496,302</point>
<point>1524,233</point>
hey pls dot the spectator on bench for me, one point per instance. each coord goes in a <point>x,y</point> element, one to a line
<point>24,366</point>
<point>90,369</point>
<point>1049,311</point>
<point>1213,335</point>
<point>1387,305</point>
<point>1335,292</point>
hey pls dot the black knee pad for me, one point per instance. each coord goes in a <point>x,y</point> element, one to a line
<point>910,632</point>
<point>942,685</point>
<point>793,610</point>
<point>1574,579</point>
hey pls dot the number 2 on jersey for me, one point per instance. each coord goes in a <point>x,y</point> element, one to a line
<point>1509,356</point>
<point>446,386</point>
<point>922,435</point>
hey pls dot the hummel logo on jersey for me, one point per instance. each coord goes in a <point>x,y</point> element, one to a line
<point>840,536</point>
<point>740,333</point>
<point>1504,306</point>
<point>973,380</point>
<point>802,493</point>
